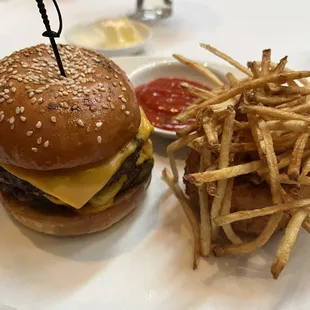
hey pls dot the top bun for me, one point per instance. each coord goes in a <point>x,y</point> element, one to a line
<point>50,122</point>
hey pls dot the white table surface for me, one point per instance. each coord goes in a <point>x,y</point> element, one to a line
<point>144,262</point>
<point>241,28</point>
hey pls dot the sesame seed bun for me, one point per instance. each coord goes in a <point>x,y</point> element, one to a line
<point>60,223</point>
<point>50,122</point>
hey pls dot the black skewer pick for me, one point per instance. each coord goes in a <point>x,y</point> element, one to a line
<point>52,34</point>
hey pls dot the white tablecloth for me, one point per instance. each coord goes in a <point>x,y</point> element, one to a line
<point>239,27</point>
<point>145,262</point>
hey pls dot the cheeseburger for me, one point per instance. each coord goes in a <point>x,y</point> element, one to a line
<point>75,152</point>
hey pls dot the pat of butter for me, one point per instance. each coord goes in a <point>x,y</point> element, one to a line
<point>116,33</point>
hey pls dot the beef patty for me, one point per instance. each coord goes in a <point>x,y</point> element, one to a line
<point>24,191</point>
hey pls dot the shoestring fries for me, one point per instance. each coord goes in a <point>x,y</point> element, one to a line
<point>256,126</point>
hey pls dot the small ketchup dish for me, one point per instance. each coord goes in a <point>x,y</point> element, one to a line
<point>159,92</point>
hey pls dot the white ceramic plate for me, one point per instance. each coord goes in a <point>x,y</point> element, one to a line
<point>75,33</point>
<point>143,262</point>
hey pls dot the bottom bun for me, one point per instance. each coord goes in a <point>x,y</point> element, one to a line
<point>74,224</point>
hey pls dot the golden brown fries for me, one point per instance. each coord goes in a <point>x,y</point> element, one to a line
<point>205,221</point>
<point>245,215</point>
<point>199,92</point>
<point>266,62</point>
<point>199,68</point>
<point>280,66</point>
<point>240,88</point>
<point>287,242</point>
<point>250,129</point>
<point>295,126</point>
<point>226,205</point>
<point>254,69</point>
<point>248,247</point>
<point>223,163</point>
<point>226,58</point>
<point>188,211</point>
<point>293,170</point>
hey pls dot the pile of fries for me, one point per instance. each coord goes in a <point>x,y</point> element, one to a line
<point>265,115</point>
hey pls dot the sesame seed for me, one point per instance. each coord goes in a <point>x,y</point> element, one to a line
<point>2,100</point>
<point>109,98</point>
<point>22,109</point>
<point>19,79</point>
<point>33,100</point>
<point>10,84</point>
<point>14,72</point>
<point>121,83</point>
<point>12,120</point>
<point>34,149</point>
<point>17,111</point>
<point>29,133</point>
<point>1,117</point>
<point>80,123</point>
<point>99,124</point>
<point>13,89</point>
<point>6,97</point>
<point>9,101</point>
<point>40,100</point>
<point>105,106</point>
<point>124,88</point>
<point>12,126</point>
<point>123,107</point>
<point>116,76</point>
<point>65,93</point>
<point>127,112</point>
<point>39,140</point>
<point>112,106</point>
<point>108,77</point>
<point>46,143</point>
<point>6,91</point>
<point>123,100</point>
<point>38,125</point>
<point>53,119</point>
<point>23,118</point>
<point>31,94</point>
<point>99,139</point>
<point>114,84</point>
<point>39,91</point>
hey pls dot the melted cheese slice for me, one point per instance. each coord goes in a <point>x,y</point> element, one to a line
<point>76,187</point>
<point>146,152</point>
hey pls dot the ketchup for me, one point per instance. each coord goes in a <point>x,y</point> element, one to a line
<point>162,99</point>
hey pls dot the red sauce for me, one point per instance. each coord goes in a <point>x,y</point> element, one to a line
<point>162,99</point>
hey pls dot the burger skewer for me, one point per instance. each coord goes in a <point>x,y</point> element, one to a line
<point>272,123</point>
